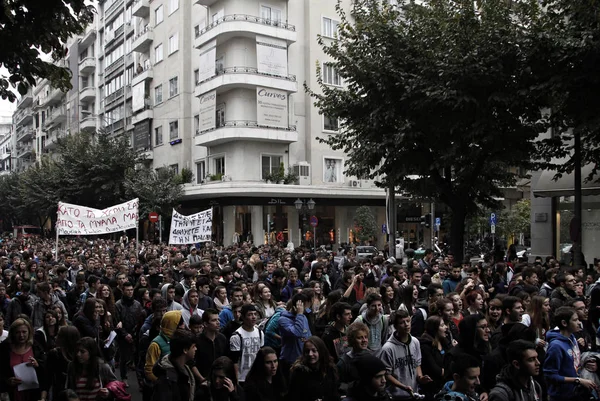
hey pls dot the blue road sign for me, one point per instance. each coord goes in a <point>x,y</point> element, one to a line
<point>493,219</point>
<point>438,221</point>
<point>384,228</point>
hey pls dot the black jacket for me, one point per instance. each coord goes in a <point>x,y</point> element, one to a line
<point>309,385</point>
<point>7,372</point>
<point>432,362</point>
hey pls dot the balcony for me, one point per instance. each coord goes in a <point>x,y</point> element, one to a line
<point>87,94</point>
<point>244,25</point>
<point>114,7</point>
<point>24,150</point>
<point>206,3</point>
<point>245,77</point>
<point>141,8</point>
<point>114,67</point>
<point>54,96</point>
<point>26,100</point>
<point>56,116</point>
<point>87,65</point>
<point>244,130</point>
<point>88,124</point>
<point>25,134</point>
<point>146,113</point>
<point>142,41</point>
<point>143,75</point>
<point>88,38</point>
<point>23,116</point>
<point>53,137</point>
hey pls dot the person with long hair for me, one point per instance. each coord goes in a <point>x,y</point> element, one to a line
<point>220,298</point>
<point>457,303</point>
<point>434,345</point>
<point>86,320</point>
<point>105,327</point>
<point>105,293</point>
<point>409,296</point>
<point>265,382</point>
<point>222,384</point>
<point>537,319</point>
<point>263,300</point>
<point>322,320</point>
<point>17,349</point>
<point>313,375</point>
<point>60,316</point>
<point>319,298</point>
<point>88,374</point>
<point>45,336</point>
<point>475,302</point>
<point>388,295</point>
<point>58,359</point>
<point>494,313</point>
<point>445,309</point>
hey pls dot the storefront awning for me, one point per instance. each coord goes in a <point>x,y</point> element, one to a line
<point>547,187</point>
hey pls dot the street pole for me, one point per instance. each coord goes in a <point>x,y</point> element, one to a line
<point>576,222</point>
<point>160,229</point>
<point>391,193</point>
<point>432,224</point>
<point>56,252</point>
<point>315,238</point>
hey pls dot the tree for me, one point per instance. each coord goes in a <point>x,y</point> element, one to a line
<point>438,99</point>
<point>365,224</point>
<point>93,168</point>
<point>31,27</point>
<point>159,190</point>
<point>517,221</point>
<point>40,188</point>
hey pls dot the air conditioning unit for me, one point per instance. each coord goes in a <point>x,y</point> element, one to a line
<point>367,184</point>
<point>302,170</point>
<point>355,183</point>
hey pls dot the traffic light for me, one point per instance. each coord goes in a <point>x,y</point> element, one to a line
<point>426,220</point>
<point>271,226</point>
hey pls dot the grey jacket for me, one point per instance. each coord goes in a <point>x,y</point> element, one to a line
<point>402,359</point>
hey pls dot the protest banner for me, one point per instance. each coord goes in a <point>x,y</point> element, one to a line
<point>83,220</point>
<point>191,229</point>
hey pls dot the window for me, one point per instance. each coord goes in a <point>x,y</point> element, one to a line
<point>158,53</point>
<point>196,122</point>
<point>330,123</point>
<point>270,165</point>
<point>220,65</point>
<point>330,27</point>
<point>173,43</point>
<point>173,87</point>
<point>159,15</point>
<point>270,14</point>
<point>158,139</point>
<point>220,165</point>
<point>173,130</point>
<point>173,6</point>
<point>174,168</point>
<point>220,119</point>
<point>158,94</point>
<point>330,75</point>
<point>196,76</point>
<point>197,31</point>
<point>200,172</point>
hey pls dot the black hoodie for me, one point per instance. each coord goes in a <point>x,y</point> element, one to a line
<point>508,388</point>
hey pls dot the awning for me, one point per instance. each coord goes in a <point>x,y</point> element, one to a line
<point>547,187</point>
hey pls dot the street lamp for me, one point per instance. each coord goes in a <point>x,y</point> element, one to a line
<point>303,209</point>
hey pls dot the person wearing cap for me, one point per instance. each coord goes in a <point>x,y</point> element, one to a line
<point>371,386</point>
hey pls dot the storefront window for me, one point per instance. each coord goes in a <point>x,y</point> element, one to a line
<point>590,229</point>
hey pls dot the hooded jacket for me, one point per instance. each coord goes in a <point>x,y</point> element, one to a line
<point>447,394</point>
<point>187,310</point>
<point>562,358</point>
<point>288,291</point>
<point>173,383</point>
<point>173,305</point>
<point>508,388</point>
<point>402,359</point>
<point>225,316</point>
<point>40,308</point>
<point>294,330</point>
<point>378,327</point>
<point>160,345</point>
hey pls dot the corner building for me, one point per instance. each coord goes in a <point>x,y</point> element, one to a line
<point>253,118</point>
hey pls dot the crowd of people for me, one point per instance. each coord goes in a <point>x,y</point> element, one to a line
<point>269,323</point>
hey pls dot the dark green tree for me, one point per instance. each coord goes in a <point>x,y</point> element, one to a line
<point>159,190</point>
<point>33,26</point>
<point>439,98</point>
<point>41,190</point>
<point>365,224</point>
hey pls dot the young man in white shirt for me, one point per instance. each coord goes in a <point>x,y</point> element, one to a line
<point>245,342</point>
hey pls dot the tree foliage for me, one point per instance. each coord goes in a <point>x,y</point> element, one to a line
<point>517,220</point>
<point>91,170</point>
<point>159,190</point>
<point>33,26</point>
<point>439,98</point>
<point>365,224</point>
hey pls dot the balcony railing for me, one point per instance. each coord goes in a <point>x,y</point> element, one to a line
<point>245,70</point>
<point>248,18</point>
<point>113,67</point>
<point>146,29</point>
<point>244,124</point>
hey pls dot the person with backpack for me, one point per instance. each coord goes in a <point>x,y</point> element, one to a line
<point>515,382</point>
<point>377,323</point>
<point>294,330</point>
<point>245,342</point>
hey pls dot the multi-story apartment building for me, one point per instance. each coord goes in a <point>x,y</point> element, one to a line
<point>6,144</point>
